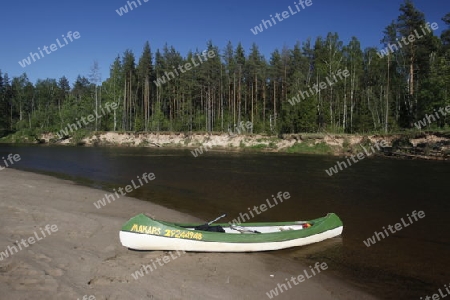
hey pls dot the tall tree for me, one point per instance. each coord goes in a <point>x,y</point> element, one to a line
<point>276,81</point>
<point>240,67</point>
<point>354,56</point>
<point>129,73</point>
<point>145,76</point>
<point>417,50</point>
<point>95,77</point>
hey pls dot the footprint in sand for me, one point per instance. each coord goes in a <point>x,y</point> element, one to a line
<point>25,277</point>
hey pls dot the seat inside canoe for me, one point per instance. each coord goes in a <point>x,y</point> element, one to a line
<point>260,229</point>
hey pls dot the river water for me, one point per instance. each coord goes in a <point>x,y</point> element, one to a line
<point>413,262</point>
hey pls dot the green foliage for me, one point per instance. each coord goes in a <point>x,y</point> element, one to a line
<point>259,146</point>
<point>309,148</point>
<point>78,136</point>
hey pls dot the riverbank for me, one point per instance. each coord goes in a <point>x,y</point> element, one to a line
<point>412,145</point>
<point>84,255</point>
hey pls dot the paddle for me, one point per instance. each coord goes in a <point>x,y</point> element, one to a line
<point>216,219</point>
<point>238,228</point>
<point>243,229</point>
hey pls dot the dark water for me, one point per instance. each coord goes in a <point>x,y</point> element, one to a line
<point>412,263</point>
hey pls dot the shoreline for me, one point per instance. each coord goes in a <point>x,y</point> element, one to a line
<point>413,145</point>
<point>85,257</point>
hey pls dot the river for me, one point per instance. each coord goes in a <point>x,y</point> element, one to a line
<point>410,263</point>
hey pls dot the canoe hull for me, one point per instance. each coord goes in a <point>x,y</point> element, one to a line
<point>144,233</point>
<point>139,241</point>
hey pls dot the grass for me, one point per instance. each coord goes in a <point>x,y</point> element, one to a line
<point>18,137</point>
<point>259,146</point>
<point>320,148</point>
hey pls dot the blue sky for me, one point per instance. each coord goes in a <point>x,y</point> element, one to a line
<point>187,25</point>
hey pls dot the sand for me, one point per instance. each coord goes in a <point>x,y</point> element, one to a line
<point>84,257</point>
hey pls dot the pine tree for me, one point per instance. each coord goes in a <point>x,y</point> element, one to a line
<point>240,90</point>
<point>417,53</point>
<point>275,91</point>
<point>145,76</point>
<point>3,107</point>
<point>129,99</point>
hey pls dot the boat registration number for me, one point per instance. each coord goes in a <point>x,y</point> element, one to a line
<point>179,234</point>
<point>183,234</point>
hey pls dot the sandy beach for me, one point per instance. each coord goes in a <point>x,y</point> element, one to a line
<point>59,246</point>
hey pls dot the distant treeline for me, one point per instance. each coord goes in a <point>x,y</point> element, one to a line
<point>383,92</point>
